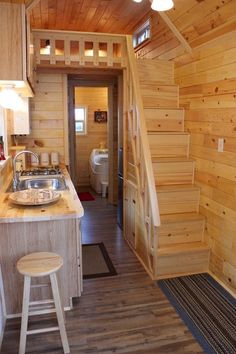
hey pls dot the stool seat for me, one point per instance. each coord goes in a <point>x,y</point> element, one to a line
<point>36,265</point>
<point>39,264</point>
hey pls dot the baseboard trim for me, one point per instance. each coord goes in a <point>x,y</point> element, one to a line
<point>222,284</point>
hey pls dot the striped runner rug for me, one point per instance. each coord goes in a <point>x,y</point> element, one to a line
<point>207,309</point>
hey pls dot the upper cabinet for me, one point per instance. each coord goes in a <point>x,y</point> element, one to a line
<point>13,58</point>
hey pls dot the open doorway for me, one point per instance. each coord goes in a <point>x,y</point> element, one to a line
<point>95,112</point>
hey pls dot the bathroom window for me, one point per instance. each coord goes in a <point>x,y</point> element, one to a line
<point>142,34</point>
<point>81,120</point>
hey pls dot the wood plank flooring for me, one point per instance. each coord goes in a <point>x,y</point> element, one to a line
<point>126,313</point>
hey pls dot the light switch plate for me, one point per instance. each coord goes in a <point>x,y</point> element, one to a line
<point>220,145</point>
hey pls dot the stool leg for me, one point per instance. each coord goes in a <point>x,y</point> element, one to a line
<point>59,312</point>
<point>25,314</point>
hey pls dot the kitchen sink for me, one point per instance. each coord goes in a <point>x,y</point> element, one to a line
<point>55,183</point>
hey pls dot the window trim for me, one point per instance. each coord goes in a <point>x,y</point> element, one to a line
<point>138,31</point>
<point>84,132</point>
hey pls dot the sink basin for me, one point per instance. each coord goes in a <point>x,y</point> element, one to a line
<point>55,183</point>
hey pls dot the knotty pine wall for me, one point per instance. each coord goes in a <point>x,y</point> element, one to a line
<point>47,115</point>
<point>94,98</point>
<point>207,81</point>
<point>162,45</point>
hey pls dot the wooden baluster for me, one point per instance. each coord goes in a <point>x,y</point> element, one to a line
<point>37,49</point>
<point>67,51</point>
<point>81,52</point>
<point>95,53</point>
<point>123,53</point>
<point>52,55</point>
<point>110,53</point>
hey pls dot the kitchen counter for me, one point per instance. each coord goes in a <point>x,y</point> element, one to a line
<point>53,227</point>
<point>68,206</point>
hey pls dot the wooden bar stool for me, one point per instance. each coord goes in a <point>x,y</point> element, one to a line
<point>37,265</point>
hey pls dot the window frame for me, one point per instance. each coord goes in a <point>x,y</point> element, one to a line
<point>139,32</point>
<point>84,132</point>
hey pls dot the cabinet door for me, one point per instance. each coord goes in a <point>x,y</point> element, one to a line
<point>11,39</point>
<point>130,213</point>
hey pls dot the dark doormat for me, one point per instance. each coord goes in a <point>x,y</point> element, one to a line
<point>85,196</point>
<point>207,309</point>
<point>96,261</point>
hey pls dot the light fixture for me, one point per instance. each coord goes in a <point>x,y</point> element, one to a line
<point>10,99</point>
<point>160,5</point>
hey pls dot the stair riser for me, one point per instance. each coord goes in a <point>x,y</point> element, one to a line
<point>162,125</point>
<point>156,71</point>
<point>173,172</point>
<point>164,120</point>
<point>182,263</point>
<point>178,201</point>
<point>181,232</point>
<point>167,145</point>
<point>160,96</point>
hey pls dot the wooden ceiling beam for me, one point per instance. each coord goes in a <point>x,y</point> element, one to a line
<point>175,31</point>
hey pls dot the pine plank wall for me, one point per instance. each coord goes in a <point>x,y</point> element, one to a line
<point>48,116</point>
<point>207,81</point>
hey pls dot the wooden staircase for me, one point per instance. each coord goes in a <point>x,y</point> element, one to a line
<point>181,248</point>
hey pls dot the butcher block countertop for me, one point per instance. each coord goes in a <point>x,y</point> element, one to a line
<point>67,207</point>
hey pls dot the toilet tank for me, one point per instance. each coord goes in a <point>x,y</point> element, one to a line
<point>98,168</point>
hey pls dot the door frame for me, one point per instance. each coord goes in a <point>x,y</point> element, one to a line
<point>112,81</point>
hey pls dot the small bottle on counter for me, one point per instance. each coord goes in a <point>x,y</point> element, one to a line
<point>34,161</point>
<point>55,158</point>
<point>2,157</point>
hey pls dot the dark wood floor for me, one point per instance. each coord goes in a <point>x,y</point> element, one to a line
<point>126,313</point>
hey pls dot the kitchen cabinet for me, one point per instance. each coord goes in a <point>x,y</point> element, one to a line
<point>130,213</point>
<point>54,227</point>
<point>13,61</point>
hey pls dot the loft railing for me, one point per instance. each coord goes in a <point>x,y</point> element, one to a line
<point>147,198</point>
<point>77,49</point>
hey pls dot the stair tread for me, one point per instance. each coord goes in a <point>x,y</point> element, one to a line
<point>156,84</point>
<point>177,187</point>
<point>182,217</point>
<point>183,248</point>
<point>171,159</point>
<point>168,109</point>
<point>167,133</point>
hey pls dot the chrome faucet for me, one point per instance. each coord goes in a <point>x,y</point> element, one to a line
<point>15,173</point>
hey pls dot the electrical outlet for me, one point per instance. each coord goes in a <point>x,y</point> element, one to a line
<point>220,145</point>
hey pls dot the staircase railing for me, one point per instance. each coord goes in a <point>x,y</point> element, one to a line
<point>146,189</point>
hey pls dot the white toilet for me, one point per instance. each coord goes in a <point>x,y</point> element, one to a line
<point>98,170</point>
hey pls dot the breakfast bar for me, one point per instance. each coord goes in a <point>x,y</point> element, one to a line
<point>53,227</point>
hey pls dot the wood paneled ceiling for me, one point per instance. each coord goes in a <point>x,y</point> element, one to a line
<point>107,16</point>
<point>198,21</point>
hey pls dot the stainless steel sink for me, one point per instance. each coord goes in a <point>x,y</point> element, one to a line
<point>55,183</point>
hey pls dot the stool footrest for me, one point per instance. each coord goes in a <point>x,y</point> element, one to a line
<point>41,302</point>
<point>42,312</point>
<point>43,330</point>
<point>39,285</point>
